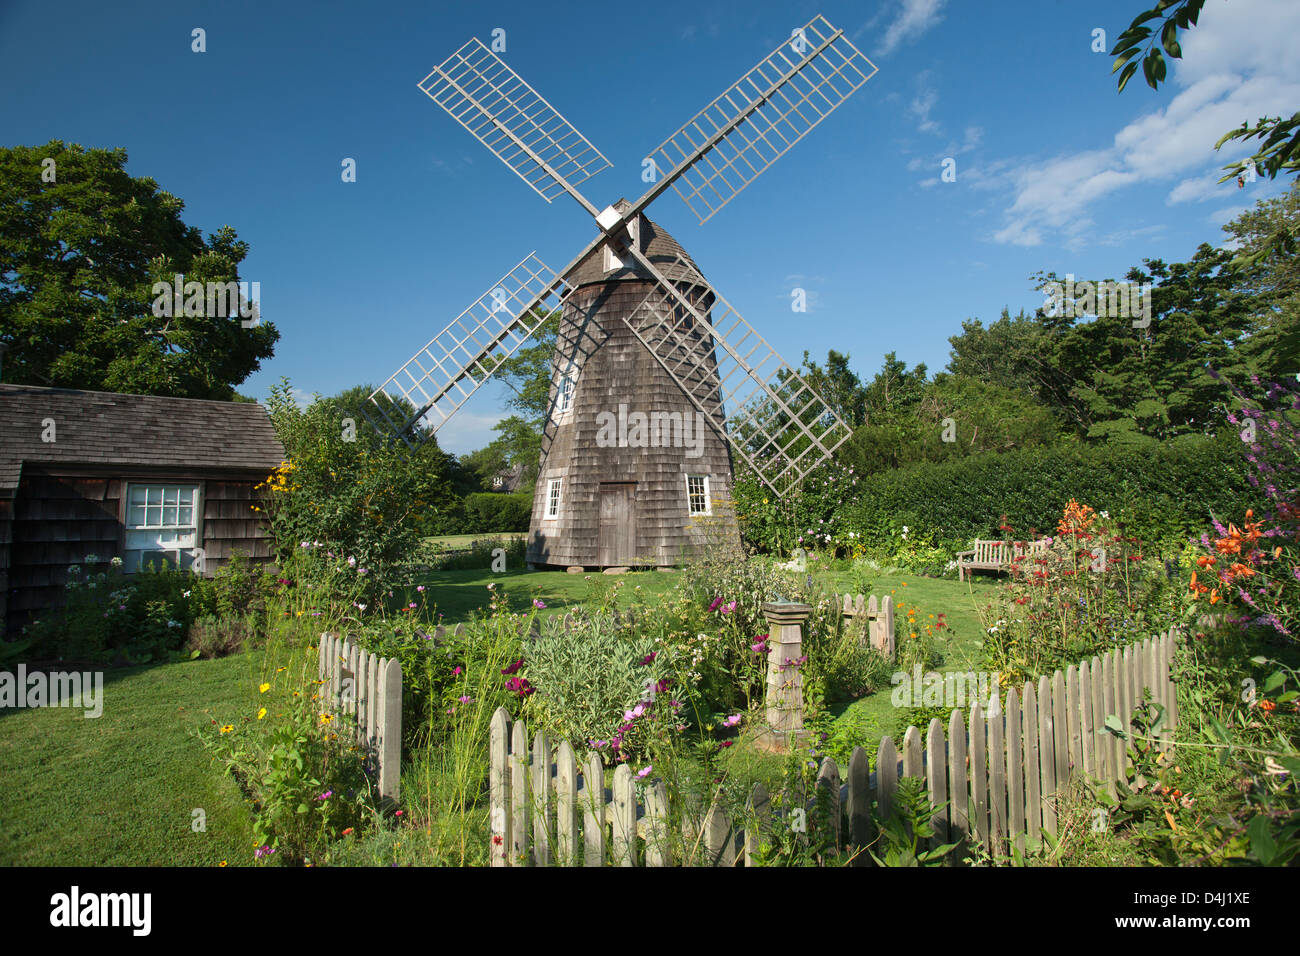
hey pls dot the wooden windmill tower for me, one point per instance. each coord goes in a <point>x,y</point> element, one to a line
<point>657,380</point>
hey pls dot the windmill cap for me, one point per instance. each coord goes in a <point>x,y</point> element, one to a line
<point>657,246</point>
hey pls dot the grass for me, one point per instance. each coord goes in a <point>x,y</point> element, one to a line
<point>458,594</point>
<point>459,542</point>
<point>866,720</point>
<point>120,789</point>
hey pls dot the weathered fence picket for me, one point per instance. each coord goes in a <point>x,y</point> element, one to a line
<point>367,689</point>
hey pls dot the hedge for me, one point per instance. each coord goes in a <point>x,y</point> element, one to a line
<point>1161,495</point>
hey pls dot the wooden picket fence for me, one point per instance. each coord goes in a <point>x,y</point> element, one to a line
<point>994,779</point>
<point>879,618</point>
<point>368,689</point>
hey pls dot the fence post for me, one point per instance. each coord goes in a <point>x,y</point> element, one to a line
<point>499,784</point>
<point>784,679</point>
<point>390,728</point>
<point>887,612</point>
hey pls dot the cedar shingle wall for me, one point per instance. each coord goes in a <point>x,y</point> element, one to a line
<point>613,367</point>
<point>58,520</point>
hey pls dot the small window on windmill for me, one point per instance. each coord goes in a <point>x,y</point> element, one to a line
<point>497,481</point>
<point>697,495</point>
<point>553,498</point>
<point>615,261</point>
<point>564,400</point>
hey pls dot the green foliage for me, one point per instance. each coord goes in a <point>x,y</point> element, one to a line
<point>108,616</point>
<point>905,834</point>
<point>1159,495</point>
<point>589,676</point>
<point>237,588</point>
<point>1280,146</point>
<point>306,779</point>
<point>79,257</point>
<point>368,499</point>
<point>494,513</point>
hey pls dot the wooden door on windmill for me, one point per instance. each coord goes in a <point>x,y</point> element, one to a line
<point>617,523</point>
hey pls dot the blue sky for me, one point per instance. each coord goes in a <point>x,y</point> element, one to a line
<point>1055,171</point>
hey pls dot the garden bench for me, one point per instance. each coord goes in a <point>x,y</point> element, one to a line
<point>996,555</point>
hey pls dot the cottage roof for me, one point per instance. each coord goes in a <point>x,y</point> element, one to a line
<point>107,428</point>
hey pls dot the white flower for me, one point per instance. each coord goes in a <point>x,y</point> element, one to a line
<point>116,562</point>
<point>185,594</point>
<point>173,623</point>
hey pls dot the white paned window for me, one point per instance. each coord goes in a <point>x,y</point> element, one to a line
<point>697,495</point>
<point>564,401</point>
<point>162,525</point>
<point>553,498</point>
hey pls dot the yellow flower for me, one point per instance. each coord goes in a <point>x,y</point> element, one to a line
<point>261,713</point>
<point>326,718</point>
<point>264,688</point>
<point>228,728</point>
<point>280,670</point>
<point>222,863</point>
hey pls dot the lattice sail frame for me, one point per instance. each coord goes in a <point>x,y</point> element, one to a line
<point>756,121</point>
<point>777,423</point>
<point>513,120</point>
<point>442,376</point>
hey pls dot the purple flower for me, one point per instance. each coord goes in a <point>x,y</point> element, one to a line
<point>326,795</point>
<point>538,604</point>
<point>649,658</point>
<point>513,667</point>
<point>714,606</point>
<point>465,699</point>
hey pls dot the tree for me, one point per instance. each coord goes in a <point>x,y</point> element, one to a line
<point>1280,148</point>
<point>82,245</point>
<point>838,385</point>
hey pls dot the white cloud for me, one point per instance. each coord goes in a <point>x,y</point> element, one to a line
<point>1237,65</point>
<point>914,18</point>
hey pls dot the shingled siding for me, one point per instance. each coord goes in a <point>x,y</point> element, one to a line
<point>59,518</point>
<point>613,367</point>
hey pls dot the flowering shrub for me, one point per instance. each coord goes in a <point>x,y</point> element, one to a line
<point>110,616</point>
<point>809,516</point>
<point>598,682</point>
<point>365,498</point>
<point>1091,589</point>
<point>1257,567</point>
<point>306,777</point>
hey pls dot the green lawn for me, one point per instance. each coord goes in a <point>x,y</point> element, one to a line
<point>120,789</point>
<point>870,718</point>
<point>456,594</point>
<point>458,542</point>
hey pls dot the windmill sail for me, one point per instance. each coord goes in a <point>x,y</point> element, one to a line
<point>729,143</point>
<point>774,420</point>
<point>514,121</point>
<point>442,376</point>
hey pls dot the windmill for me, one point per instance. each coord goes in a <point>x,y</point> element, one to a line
<point>657,379</point>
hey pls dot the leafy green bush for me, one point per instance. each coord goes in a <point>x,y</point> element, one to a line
<point>1157,496</point>
<point>366,498</point>
<point>489,512</point>
<point>590,676</point>
<point>237,588</point>
<point>109,616</point>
